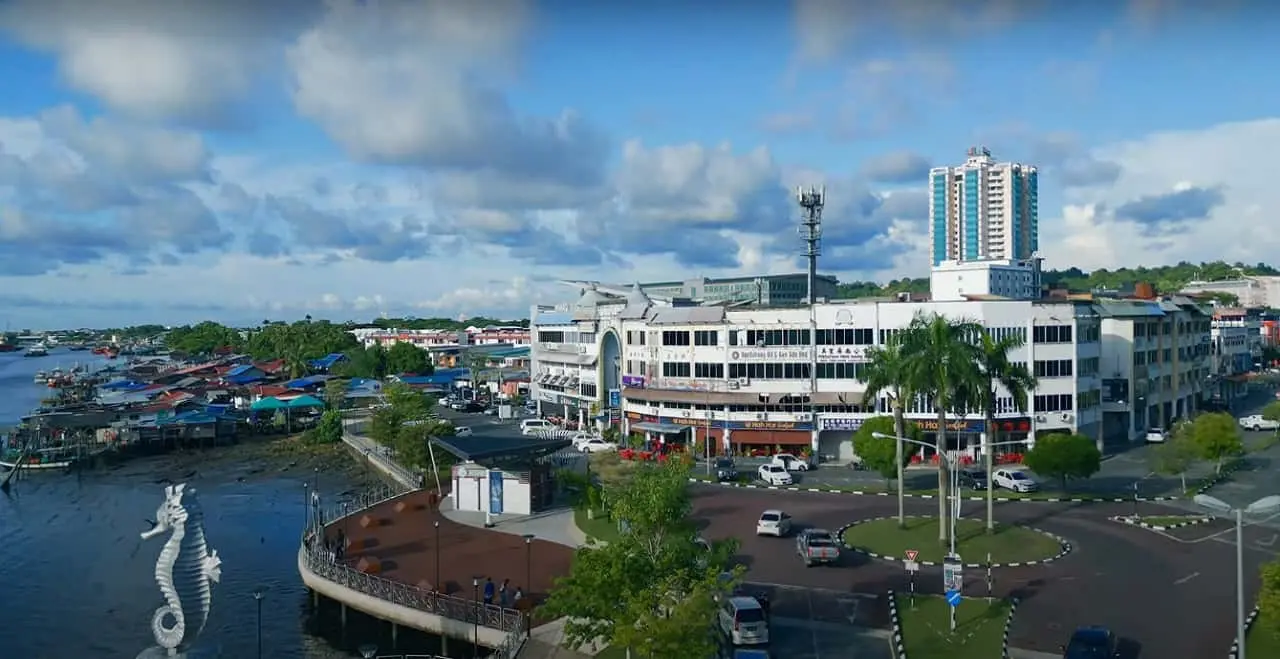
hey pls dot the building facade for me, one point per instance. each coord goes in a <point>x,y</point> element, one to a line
<point>764,378</point>
<point>1155,364</point>
<point>763,290</point>
<point>1235,340</point>
<point>983,209</point>
<point>952,281</point>
<point>429,339</point>
<point>1251,292</point>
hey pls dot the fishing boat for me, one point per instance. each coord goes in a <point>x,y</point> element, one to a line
<point>45,458</point>
<point>37,350</point>
<point>8,347</point>
<point>41,377</point>
<point>112,353</point>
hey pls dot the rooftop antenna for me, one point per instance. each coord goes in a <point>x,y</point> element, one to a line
<point>811,202</point>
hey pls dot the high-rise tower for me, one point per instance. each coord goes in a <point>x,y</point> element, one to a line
<point>983,210</point>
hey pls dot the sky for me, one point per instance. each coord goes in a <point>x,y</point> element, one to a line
<point>175,160</point>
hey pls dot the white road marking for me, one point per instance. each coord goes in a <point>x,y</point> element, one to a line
<point>1187,578</point>
<point>813,633</point>
<point>1268,543</point>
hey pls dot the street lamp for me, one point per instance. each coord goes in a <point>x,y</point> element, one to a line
<point>475,623</point>
<point>437,551</point>
<point>315,480</point>
<point>1264,506</point>
<point>258,594</point>
<point>528,562</point>
<point>306,503</point>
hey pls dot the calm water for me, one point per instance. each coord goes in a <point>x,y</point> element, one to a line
<point>18,392</point>
<point>76,580</point>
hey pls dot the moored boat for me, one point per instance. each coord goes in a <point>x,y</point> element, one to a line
<point>47,458</point>
<point>37,350</point>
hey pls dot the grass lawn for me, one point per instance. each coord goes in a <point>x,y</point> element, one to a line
<point>926,628</point>
<point>1262,640</point>
<point>611,652</point>
<point>601,528</point>
<point>1009,544</point>
<point>1169,520</point>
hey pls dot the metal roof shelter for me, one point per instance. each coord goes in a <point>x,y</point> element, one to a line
<point>499,448</point>
<point>660,428</point>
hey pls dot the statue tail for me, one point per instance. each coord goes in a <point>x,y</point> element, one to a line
<point>168,637</point>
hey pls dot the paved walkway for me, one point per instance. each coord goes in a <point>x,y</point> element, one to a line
<point>377,455</point>
<point>553,526</point>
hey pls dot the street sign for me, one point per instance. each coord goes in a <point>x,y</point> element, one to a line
<point>952,574</point>
<point>912,566</point>
<point>615,398</point>
<point>912,555</point>
<point>953,598</point>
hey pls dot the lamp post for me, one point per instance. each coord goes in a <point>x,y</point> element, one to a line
<point>258,594</point>
<point>1264,506</point>
<point>306,504</point>
<point>475,623</point>
<point>315,480</point>
<point>437,552</point>
<point>528,562</point>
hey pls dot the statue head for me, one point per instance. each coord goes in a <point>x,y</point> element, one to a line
<point>179,507</point>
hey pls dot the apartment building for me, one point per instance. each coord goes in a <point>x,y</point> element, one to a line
<point>983,209</point>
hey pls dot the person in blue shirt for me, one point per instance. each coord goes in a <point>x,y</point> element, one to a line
<point>488,590</point>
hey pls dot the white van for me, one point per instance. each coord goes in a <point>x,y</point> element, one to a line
<point>743,621</point>
<point>534,426</point>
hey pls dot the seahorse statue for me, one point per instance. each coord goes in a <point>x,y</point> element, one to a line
<point>185,570</point>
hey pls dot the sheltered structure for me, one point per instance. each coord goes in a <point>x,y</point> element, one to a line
<point>504,474</point>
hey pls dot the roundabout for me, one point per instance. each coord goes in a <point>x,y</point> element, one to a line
<point>1009,546</point>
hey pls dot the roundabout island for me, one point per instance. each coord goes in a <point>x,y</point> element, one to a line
<point>1008,545</point>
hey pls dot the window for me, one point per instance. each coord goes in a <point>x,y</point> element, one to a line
<point>588,390</point>
<point>886,334</point>
<point>1088,366</point>
<point>635,367</point>
<point>551,337</point>
<point>1054,403</point>
<point>846,337</point>
<point>840,371</point>
<point>675,369</point>
<point>1002,333</point>
<point>635,337</point>
<point>672,338</point>
<point>1051,334</point>
<point>712,371</point>
<point>1053,368</point>
<point>777,337</point>
<point>790,371</point>
<point>706,338</point>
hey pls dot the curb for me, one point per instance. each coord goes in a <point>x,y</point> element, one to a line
<point>1235,644</point>
<point>1227,470</point>
<point>895,626</point>
<point>1191,521</point>
<point>1008,624</point>
<point>1065,545</point>
<point>832,490</point>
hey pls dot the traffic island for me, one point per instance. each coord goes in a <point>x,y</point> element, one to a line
<point>1260,639</point>
<point>1009,546</point>
<point>1162,522</point>
<point>925,627</point>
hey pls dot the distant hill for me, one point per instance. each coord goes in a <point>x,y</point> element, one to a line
<point>1168,278</point>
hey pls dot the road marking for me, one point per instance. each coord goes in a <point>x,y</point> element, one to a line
<point>813,633</point>
<point>1187,578</point>
<point>847,602</point>
<point>1268,543</point>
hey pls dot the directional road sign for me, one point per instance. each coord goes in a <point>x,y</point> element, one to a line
<point>952,575</point>
<point>912,555</point>
<point>953,598</point>
<point>912,566</point>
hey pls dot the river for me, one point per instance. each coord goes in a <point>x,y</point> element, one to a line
<point>77,581</point>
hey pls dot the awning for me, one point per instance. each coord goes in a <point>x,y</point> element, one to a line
<point>660,428</point>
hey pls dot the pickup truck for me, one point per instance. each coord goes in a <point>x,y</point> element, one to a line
<point>1256,422</point>
<point>816,546</point>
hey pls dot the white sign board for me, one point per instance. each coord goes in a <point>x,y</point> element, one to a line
<point>801,354</point>
<point>912,566</point>
<point>952,575</point>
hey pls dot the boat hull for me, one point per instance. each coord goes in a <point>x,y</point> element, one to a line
<point>61,464</point>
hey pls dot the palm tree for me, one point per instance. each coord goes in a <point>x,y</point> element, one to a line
<point>996,369</point>
<point>941,363</point>
<point>886,371</point>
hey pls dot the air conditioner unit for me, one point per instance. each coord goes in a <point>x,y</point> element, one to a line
<point>733,384</point>
<point>1066,418</point>
<point>762,416</point>
<point>743,382</point>
<point>804,416</point>
<point>685,414</point>
<point>1040,418</point>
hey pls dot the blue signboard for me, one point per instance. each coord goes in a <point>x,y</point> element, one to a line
<point>953,597</point>
<point>615,398</point>
<point>495,491</point>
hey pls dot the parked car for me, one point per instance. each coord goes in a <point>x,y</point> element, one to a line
<point>974,479</point>
<point>1255,422</point>
<point>1157,435</point>
<point>773,522</point>
<point>1015,480</point>
<point>817,546</point>
<point>491,411</point>
<point>474,407</point>
<point>1091,643</point>
<point>743,621</point>
<point>597,445</point>
<point>535,426</point>
<point>790,462</point>
<point>775,474</point>
<point>726,470</point>
<point>462,431</point>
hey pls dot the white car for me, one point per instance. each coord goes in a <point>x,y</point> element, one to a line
<point>597,445</point>
<point>1014,480</point>
<point>774,522</point>
<point>775,474</point>
<point>1255,422</point>
<point>580,438</point>
<point>791,462</point>
<point>535,426</point>
<point>462,431</point>
<point>1157,435</point>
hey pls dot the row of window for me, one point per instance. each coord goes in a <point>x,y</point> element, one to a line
<point>1054,368</point>
<point>1165,328</point>
<point>855,336</point>
<point>1051,333</point>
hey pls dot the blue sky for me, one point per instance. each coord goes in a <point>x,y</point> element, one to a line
<point>238,160</point>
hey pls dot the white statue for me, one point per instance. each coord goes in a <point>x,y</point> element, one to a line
<point>185,571</point>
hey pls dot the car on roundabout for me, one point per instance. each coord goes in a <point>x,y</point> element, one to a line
<point>1091,643</point>
<point>775,523</point>
<point>726,470</point>
<point>1014,480</point>
<point>817,547</point>
<point>774,474</point>
<point>973,479</point>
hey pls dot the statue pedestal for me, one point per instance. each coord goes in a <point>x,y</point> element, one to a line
<point>200,652</point>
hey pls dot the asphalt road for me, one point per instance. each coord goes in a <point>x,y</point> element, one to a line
<point>1165,597</point>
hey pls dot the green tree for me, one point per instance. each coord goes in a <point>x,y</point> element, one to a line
<point>203,338</point>
<point>384,426</point>
<point>1217,435</point>
<point>405,357</point>
<point>887,372</point>
<point>654,503</point>
<point>1272,411</point>
<point>408,402</point>
<point>997,370</point>
<point>412,438</point>
<point>1064,456</point>
<point>941,364</point>
<point>1176,456</point>
<point>365,363</point>
<point>885,456</point>
<point>328,430</point>
<point>1269,597</point>
<point>335,392</point>
<point>477,362</point>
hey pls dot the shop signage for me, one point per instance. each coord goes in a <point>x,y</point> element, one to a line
<point>840,424</point>
<point>615,398</point>
<point>953,425</point>
<point>842,354</point>
<point>546,396</point>
<point>769,425</point>
<point>636,381</point>
<point>770,355</point>
<point>634,416</point>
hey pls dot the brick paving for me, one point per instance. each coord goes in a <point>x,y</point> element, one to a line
<point>400,537</point>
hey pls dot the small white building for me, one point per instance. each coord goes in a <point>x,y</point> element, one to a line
<point>952,281</point>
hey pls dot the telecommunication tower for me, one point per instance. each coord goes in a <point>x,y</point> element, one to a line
<point>811,202</point>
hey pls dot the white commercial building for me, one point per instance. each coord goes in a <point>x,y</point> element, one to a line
<point>983,209</point>
<point>1155,364</point>
<point>952,281</point>
<point>1252,292</point>
<point>763,378</point>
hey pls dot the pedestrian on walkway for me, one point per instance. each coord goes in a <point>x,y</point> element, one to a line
<point>518,596</point>
<point>504,594</point>
<point>488,590</point>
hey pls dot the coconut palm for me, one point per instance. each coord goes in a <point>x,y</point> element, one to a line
<point>886,372</point>
<point>941,363</point>
<point>996,369</point>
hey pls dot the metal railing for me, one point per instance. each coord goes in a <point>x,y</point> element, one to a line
<point>320,561</point>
